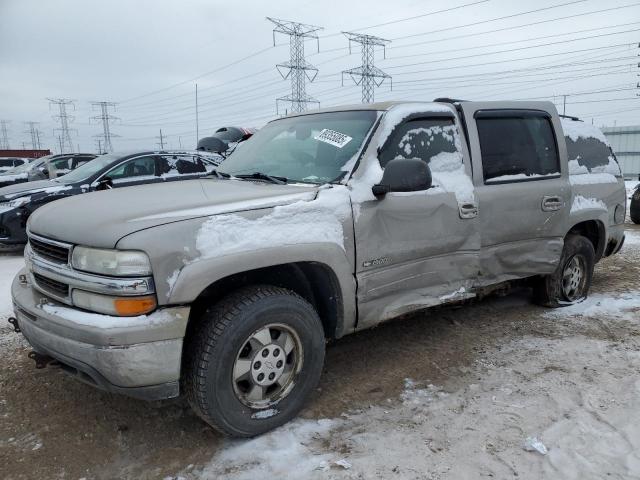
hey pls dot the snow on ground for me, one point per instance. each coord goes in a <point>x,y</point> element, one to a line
<point>574,398</point>
<point>9,267</point>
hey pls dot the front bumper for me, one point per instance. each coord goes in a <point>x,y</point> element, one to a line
<point>136,356</point>
<point>13,226</point>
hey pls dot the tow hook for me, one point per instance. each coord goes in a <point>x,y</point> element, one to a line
<point>42,361</point>
<point>14,323</point>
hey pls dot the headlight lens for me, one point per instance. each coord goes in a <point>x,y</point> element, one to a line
<point>119,306</point>
<point>117,263</point>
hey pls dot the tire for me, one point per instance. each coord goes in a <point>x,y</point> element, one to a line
<point>571,281</point>
<point>226,356</point>
<point>634,208</point>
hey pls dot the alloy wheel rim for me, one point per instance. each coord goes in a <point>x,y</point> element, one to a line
<point>266,365</point>
<point>574,278</point>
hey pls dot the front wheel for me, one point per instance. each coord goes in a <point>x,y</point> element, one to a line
<point>634,208</point>
<point>254,359</point>
<point>571,281</point>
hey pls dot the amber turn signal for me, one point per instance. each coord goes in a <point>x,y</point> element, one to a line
<point>130,306</point>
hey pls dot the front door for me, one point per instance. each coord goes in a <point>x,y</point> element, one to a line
<point>418,249</point>
<point>523,191</point>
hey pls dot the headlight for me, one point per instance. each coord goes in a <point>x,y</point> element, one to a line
<point>117,263</point>
<point>16,202</point>
<point>119,306</point>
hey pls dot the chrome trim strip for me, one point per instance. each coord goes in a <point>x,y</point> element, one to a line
<point>86,281</point>
<point>52,242</point>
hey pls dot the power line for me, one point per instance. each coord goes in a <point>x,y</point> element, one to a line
<point>367,75</point>
<point>64,118</point>
<point>33,133</point>
<point>4,144</point>
<point>297,67</point>
<point>105,118</point>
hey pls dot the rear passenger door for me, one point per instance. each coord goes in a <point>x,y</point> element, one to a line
<point>522,189</point>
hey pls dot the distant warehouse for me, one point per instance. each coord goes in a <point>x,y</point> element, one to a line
<point>625,142</point>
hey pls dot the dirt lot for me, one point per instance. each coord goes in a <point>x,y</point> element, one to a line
<point>452,394</point>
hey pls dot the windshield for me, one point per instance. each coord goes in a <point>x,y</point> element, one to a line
<point>309,148</point>
<point>84,172</point>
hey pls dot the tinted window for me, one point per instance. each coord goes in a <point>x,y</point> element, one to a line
<point>517,147</point>
<point>422,138</point>
<point>139,167</point>
<point>183,165</point>
<point>6,162</point>
<point>592,154</point>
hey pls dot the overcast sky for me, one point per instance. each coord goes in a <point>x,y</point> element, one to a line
<point>147,56</point>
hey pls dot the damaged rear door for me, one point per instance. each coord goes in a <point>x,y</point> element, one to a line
<point>522,188</point>
<point>419,249</point>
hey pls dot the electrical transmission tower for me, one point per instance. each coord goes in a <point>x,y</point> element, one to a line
<point>66,146</point>
<point>4,141</point>
<point>34,133</point>
<point>298,69</point>
<point>105,118</point>
<point>368,75</point>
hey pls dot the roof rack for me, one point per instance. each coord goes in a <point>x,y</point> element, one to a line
<point>575,119</point>
<point>449,100</point>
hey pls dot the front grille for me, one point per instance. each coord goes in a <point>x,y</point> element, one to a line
<point>49,251</point>
<point>52,286</point>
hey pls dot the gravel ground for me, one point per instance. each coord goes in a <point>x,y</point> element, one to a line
<point>452,394</point>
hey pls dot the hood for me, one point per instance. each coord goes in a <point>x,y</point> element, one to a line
<point>29,188</point>
<point>100,219</point>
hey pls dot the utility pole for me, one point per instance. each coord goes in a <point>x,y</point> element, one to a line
<point>99,146</point>
<point>38,132</point>
<point>197,126</point>
<point>105,118</point>
<point>564,105</point>
<point>33,133</point>
<point>4,141</point>
<point>367,75</point>
<point>297,68</point>
<point>61,143</point>
<point>64,118</point>
<point>161,142</point>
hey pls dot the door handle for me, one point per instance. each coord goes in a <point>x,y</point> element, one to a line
<point>468,210</point>
<point>552,203</point>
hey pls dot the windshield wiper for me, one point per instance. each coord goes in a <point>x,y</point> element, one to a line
<point>217,174</point>
<point>263,176</point>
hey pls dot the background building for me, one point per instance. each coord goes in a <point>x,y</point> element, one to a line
<point>625,142</point>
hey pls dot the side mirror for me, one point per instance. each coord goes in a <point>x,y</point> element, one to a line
<point>404,175</point>
<point>104,184</point>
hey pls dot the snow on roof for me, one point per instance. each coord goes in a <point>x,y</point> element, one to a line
<point>578,129</point>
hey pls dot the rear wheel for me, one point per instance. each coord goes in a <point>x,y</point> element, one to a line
<point>254,360</point>
<point>571,281</point>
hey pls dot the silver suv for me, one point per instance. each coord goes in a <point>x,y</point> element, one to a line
<point>226,288</point>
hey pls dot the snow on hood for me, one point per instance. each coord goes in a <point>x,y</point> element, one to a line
<point>100,219</point>
<point>30,188</point>
<point>306,221</point>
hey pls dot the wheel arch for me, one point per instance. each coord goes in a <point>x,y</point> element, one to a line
<point>595,232</point>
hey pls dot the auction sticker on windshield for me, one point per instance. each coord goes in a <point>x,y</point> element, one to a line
<point>334,138</point>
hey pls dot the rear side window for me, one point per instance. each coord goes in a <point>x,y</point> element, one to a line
<point>587,149</point>
<point>517,146</point>
<point>422,138</point>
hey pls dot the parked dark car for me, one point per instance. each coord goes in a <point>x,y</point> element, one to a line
<point>634,207</point>
<point>38,169</point>
<point>113,170</point>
